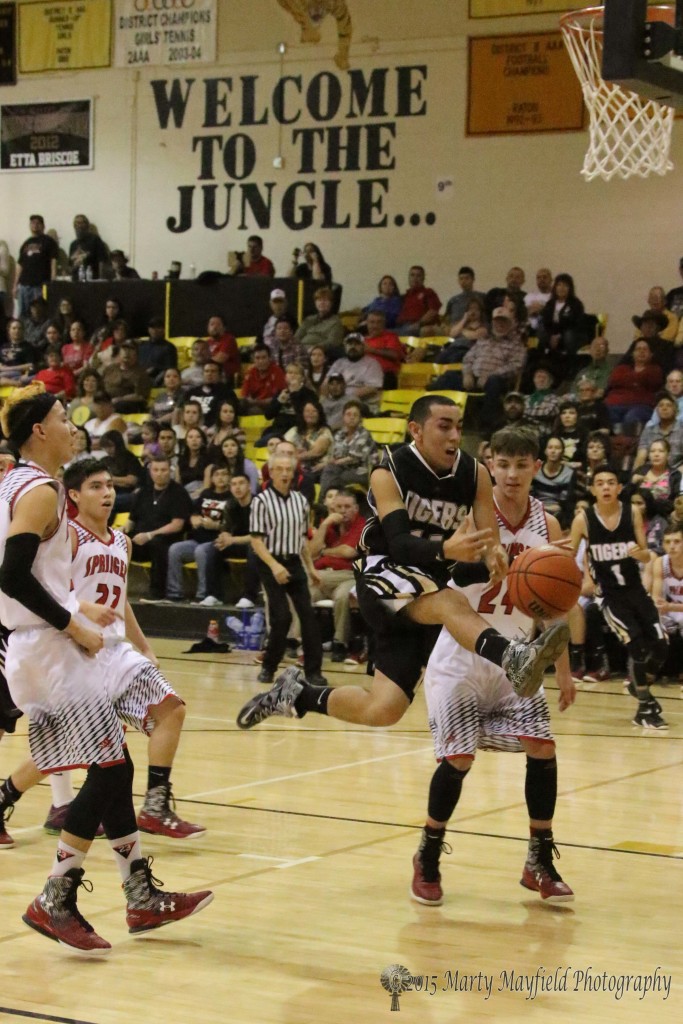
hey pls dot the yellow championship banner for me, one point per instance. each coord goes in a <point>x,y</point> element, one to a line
<point>522,83</point>
<point>505,8</point>
<point>63,35</point>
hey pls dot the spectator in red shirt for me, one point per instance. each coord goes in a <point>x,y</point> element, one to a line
<point>223,348</point>
<point>253,262</point>
<point>385,347</point>
<point>58,379</point>
<point>262,383</point>
<point>79,350</point>
<point>420,307</point>
<point>334,547</point>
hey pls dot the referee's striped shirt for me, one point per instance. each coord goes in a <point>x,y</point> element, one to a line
<point>281,521</point>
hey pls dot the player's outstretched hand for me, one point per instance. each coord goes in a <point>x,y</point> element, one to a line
<point>97,613</point>
<point>466,545</point>
<point>497,563</point>
<point>87,639</point>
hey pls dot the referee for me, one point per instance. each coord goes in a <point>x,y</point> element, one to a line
<point>278,524</point>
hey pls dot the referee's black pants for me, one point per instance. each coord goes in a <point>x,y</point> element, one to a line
<point>281,617</point>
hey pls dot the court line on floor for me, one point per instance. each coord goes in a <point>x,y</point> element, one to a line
<point>303,775</point>
<point>42,1016</point>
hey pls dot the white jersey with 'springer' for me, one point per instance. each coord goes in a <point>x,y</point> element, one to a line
<point>672,585</point>
<point>52,564</point>
<point>100,573</point>
<point>491,600</point>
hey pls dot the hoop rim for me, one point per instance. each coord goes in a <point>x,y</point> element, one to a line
<point>573,21</point>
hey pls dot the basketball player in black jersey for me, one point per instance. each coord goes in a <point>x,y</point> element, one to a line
<point>421,495</point>
<point>615,543</point>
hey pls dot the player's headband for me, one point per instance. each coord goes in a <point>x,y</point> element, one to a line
<point>26,415</point>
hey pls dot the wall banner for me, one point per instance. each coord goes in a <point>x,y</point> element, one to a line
<point>504,8</point>
<point>63,35</point>
<point>46,136</point>
<point>8,49</point>
<point>522,83</point>
<point>167,32</point>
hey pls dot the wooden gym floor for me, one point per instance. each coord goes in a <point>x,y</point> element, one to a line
<point>312,828</point>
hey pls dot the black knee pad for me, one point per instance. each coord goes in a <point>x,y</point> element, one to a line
<point>118,818</point>
<point>639,649</point>
<point>444,790</point>
<point>659,650</point>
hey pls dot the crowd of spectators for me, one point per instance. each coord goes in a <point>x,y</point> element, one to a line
<point>535,358</point>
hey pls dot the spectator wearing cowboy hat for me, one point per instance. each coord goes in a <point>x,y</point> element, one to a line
<point>120,271</point>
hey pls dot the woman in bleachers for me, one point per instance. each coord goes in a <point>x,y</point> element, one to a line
<point>312,267</point>
<point>64,317</point>
<point>658,477</point>
<point>127,472</point>
<point>352,452</point>
<point>227,425</point>
<point>554,483</point>
<point>632,387</point>
<point>573,436</point>
<point>318,367</point>
<point>232,457</point>
<point>654,523</point>
<point>192,461</point>
<point>561,328</point>
<point>312,439</point>
<point>82,447</point>
<point>166,405</point>
<point>78,350</point>
<point>388,301</point>
<point>108,342</point>
<point>88,384</point>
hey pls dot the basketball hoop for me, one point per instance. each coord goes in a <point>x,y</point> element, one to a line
<point>629,135</point>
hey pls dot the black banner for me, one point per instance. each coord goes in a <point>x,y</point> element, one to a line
<point>8,44</point>
<point>46,136</point>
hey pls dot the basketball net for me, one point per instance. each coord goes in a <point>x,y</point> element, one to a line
<point>629,135</point>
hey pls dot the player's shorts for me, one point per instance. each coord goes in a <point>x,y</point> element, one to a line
<point>73,723</point>
<point>472,706</point>
<point>631,615</point>
<point>401,647</point>
<point>673,622</point>
<point>133,684</point>
<point>9,712</point>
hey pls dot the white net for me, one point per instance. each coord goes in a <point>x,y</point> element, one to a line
<point>629,135</point>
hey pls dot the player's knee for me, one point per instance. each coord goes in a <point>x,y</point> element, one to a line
<point>171,712</point>
<point>459,764</point>
<point>658,651</point>
<point>541,750</point>
<point>385,714</point>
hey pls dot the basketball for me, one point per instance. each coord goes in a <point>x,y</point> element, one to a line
<point>544,582</point>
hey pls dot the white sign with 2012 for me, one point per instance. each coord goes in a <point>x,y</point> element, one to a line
<point>164,32</point>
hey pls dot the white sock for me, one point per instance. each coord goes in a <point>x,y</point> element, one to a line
<point>67,858</point>
<point>62,789</point>
<point>126,850</point>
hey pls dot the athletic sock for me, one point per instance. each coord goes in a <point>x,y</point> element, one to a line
<point>9,794</point>
<point>157,776</point>
<point>67,857</point>
<point>313,698</point>
<point>491,645</point>
<point>126,851</point>
<point>62,789</point>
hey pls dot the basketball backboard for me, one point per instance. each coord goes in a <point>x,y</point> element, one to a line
<point>643,48</point>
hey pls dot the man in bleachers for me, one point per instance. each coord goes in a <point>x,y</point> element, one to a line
<point>324,327</point>
<point>334,400</point>
<point>656,302</point>
<point>514,283</point>
<point>193,375</point>
<point>287,349</point>
<point>278,311</point>
<point>674,297</point>
<point>262,382</point>
<point>253,262</point>
<point>598,370</point>
<point>157,355</point>
<point>667,428</point>
<point>535,302</point>
<point>36,266</point>
<point>456,307</point>
<point>385,347</point>
<point>126,382</point>
<point>223,348</point>
<point>420,306</point>
<point>211,393</point>
<point>87,253</point>
<point>362,374</point>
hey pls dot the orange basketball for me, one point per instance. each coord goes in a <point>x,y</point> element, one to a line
<point>544,582</point>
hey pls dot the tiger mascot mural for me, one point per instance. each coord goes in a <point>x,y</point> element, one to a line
<point>309,14</point>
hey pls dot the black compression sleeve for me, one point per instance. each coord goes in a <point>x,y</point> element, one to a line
<point>18,582</point>
<point>404,548</point>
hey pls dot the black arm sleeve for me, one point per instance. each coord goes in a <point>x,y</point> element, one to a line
<point>404,548</point>
<point>18,582</point>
